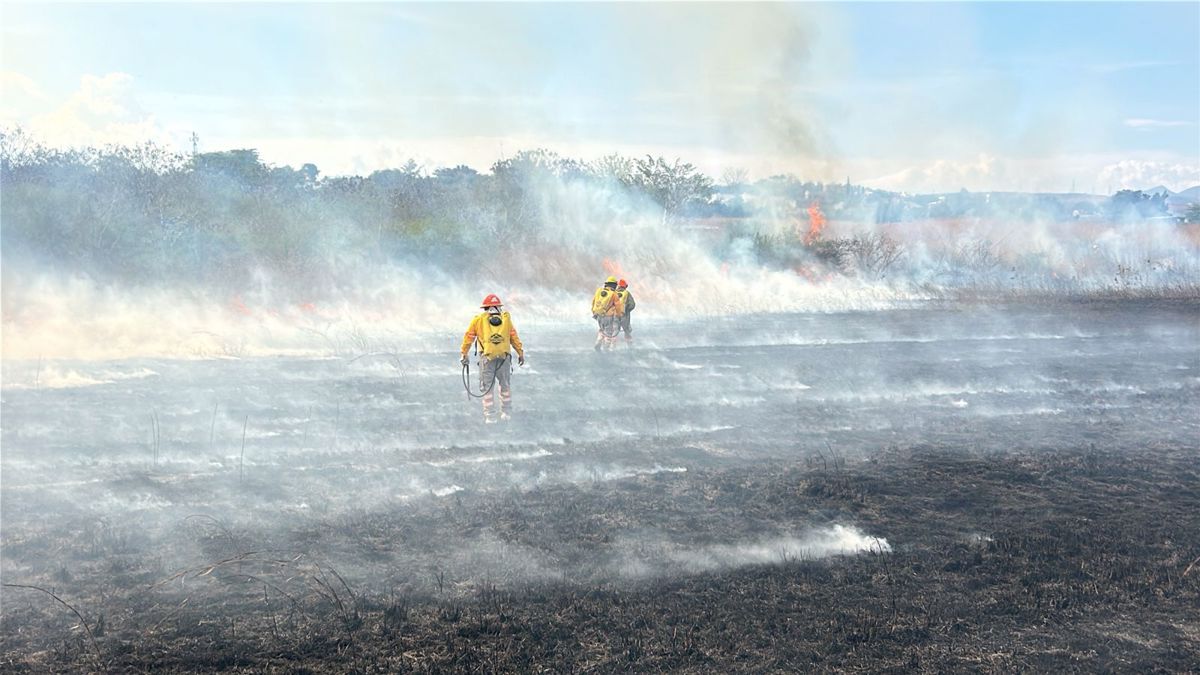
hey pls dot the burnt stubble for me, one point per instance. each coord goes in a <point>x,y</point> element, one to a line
<point>925,490</point>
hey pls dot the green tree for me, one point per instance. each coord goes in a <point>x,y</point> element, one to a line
<point>242,165</point>
<point>672,185</point>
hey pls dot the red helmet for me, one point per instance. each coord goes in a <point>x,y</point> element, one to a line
<point>622,284</point>
<point>492,300</point>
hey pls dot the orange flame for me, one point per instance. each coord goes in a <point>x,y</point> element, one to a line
<point>613,268</point>
<point>240,307</point>
<point>802,271</point>
<point>816,223</point>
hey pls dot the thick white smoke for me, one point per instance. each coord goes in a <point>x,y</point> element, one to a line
<point>647,558</point>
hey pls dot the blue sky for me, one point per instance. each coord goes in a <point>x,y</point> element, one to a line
<point>905,96</point>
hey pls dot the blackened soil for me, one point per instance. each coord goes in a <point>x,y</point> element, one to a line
<point>1065,559</point>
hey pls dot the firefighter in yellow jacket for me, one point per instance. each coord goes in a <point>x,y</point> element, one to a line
<point>607,309</point>
<point>493,332</point>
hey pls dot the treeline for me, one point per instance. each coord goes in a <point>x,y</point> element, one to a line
<point>146,215</point>
<point>140,213</point>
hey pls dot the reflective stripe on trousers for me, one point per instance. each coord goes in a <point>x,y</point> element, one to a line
<point>500,370</point>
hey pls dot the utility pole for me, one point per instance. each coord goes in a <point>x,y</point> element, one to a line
<point>195,143</point>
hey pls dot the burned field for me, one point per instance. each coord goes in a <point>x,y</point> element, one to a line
<point>920,490</point>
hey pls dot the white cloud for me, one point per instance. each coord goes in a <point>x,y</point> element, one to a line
<point>944,175</point>
<point>103,110</point>
<point>1135,174</point>
<point>1098,174</point>
<point>14,85</point>
<point>1142,123</point>
<point>20,97</point>
<point>1108,68</point>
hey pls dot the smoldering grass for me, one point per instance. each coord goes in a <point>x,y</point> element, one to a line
<point>82,621</point>
<point>168,615</point>
<point>337,419</point>
<point>307,423</point>
<point>817,543</point>
<point>212,428</point>
<point>396,610</point>
<point>215,523</point>
<point>277,570</point>
<point>155,435</point>
<point>536,453</point>
<point>242,455</point>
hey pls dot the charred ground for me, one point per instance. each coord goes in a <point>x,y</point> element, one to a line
<point>1017,489</point>
<point>1047,559</point>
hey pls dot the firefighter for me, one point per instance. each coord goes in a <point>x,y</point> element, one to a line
<point>630,303</point>
<point>493,333</point>
<point>607,310</point>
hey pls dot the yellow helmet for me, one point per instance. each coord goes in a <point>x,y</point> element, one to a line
<point>610,280</point>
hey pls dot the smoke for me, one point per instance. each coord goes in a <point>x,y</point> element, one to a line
<point>640,557</point>
<point>643,557</point>
<point>57,376</point>
<point>382,466</point>
<point>81,319</point>
<point>339,274</point>
<point>127,251</point>
<point>51,317</point>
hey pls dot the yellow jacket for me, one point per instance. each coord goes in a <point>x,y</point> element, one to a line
<point>627,300</point>
<point>494,340</point>
<point>607,302</point>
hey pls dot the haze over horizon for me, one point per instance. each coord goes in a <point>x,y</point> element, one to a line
<point>919,98</point>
